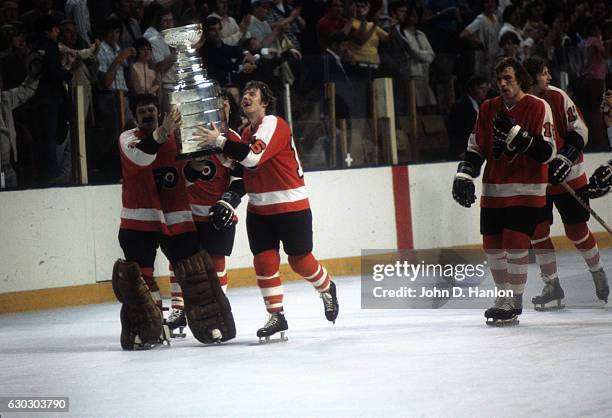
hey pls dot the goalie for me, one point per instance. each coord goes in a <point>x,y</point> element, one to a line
<point>155,213</point>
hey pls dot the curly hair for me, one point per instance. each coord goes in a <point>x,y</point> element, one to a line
<point>267,97</point>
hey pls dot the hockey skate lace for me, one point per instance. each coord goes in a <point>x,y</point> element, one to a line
<point>174,315</point>
<point>328,301</point>
<point>273,321</point>
<point>507,303</point>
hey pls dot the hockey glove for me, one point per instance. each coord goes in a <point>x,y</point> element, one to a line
<point>464,191</point>
<point>601,181</point>
<point>222,213</point>
<point>508,137</point>
<point>560,167</point>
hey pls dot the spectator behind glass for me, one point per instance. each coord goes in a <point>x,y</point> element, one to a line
<point>284,16</point>
<point>9,12</point>
<point>444,20</point>
<point>231,32</point>
<point>79,59</point>
<point>535,28</point>
<point>144,78</point>
<point>509,46</point>
<point>41,8</point>
<point>366,37</point>
<point>12,59</point>
<point>162,55</point>
<point>259,28</point>
<point>10,99</point>
<point>463,114</point>
<point>512,23</point>
<point>484,31</point>
<point>413,53</point>
<point>130,27</point>
<point>333,21</point>
<point>224,61</point>
<point>78,11</point>
<point>51,96</point>
<point>592,87</point>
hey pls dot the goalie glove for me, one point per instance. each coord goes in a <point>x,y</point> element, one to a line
<point>509,137</point>
<point>560,167</point>
<point>222,213</point>
<point>601,181</point>
<point>464,191</point>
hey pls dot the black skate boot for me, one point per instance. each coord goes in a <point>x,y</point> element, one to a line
<point>552,292</point>
<point>505,311</point>
<point>276,323</point>
<point>602,290</point>
<point>330,303</point>
<point>177,319</point>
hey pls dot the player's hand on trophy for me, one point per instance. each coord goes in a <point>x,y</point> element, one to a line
<point>209,137</point>
<point>172,121</point>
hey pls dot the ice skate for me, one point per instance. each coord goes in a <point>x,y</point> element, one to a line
<point>276,323</point>
<point>505,311</point>
<point>141,320</point>
<point>602,290</point>
<point>330,303</point>
<point>552,292</point>
<point>177,319</point>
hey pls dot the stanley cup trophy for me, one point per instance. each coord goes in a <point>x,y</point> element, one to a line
<point>196,97</point>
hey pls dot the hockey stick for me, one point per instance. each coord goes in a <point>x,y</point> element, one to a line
<point>587,207</point>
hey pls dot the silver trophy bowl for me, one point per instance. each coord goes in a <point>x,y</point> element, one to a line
<point>197,98</point>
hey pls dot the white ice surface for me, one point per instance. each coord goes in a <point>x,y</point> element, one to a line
<point>370,363</point>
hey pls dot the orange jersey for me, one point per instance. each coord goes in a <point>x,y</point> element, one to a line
<point>212,183</point>
<point>567,118</point>
<point>273,175</point>
<point>154,196</point>
<point>518,180</point>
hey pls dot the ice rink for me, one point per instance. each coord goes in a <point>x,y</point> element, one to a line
<point>378,363</point>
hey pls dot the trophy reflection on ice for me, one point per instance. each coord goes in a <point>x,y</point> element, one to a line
<point>196,97</point>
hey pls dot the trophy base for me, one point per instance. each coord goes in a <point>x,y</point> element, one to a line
<point>199,153</point>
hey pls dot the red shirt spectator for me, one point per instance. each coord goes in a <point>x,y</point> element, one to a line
<point>332,22</point>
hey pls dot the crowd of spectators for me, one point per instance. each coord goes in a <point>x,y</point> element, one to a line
<point>448,47</point>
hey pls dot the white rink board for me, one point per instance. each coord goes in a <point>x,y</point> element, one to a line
<point>68,236</point>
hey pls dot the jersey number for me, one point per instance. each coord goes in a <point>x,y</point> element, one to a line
<point>547,130</point>
<point>258,147</point>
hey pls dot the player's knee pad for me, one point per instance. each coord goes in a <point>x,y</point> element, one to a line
<point>266,263</point>
<point>577,233</point>
<point>515,240</point>
<point>492,242</point>
<point>542,232</point>
<point>206,306</point>
<point>304,265</point>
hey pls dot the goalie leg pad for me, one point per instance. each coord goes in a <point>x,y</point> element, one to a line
<point>208,311</point>
<point>141,319</point>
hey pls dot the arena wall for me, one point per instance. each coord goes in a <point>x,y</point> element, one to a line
<point>67,237</point>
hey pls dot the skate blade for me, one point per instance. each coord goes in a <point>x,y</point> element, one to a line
<point>542,307</point>
<point>179,334</point>
<point>164,340</point>
<point>267,340</point>
<point>502,322</point>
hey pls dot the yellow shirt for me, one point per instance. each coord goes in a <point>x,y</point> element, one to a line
<point>368,52</point>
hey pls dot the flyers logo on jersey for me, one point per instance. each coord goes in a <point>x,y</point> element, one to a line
<point>258,147</point>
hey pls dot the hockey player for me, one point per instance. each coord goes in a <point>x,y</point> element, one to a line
<point>571,135</point>
<point>156,212</point>
<point>215,189</point>
<point>514,134</point>
<point>278,210</point>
